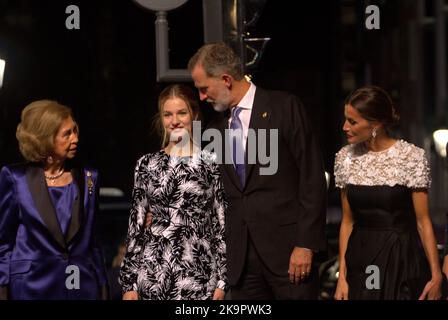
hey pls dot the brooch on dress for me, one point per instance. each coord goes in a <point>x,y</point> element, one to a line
<point>89,182</point>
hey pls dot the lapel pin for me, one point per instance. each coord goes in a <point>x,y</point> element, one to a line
<point>264,115</point>
<point>90,182</point>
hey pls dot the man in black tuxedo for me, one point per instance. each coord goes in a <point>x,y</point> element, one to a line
<point>276,216</point>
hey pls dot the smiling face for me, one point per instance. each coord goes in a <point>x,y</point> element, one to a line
<point>213,90</point>
<point>177,118</point>
<point>356,128</point>
<point>66,140</point>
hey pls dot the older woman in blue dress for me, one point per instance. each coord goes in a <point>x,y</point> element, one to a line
<point>47,213</point>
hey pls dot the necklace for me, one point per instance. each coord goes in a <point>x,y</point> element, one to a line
<point>53,178</point>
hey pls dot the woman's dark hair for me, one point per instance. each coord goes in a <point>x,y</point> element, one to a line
<point>374,104</point>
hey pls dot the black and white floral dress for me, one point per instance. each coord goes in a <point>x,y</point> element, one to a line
<point>181,255</point>
<point>379,188</point>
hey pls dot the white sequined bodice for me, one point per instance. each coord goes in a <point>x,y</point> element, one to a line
<point>401,164</point>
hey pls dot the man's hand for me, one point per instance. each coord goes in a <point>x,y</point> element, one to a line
<point>300,264</point>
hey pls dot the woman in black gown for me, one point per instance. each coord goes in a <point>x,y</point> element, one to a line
<point>384,191</point>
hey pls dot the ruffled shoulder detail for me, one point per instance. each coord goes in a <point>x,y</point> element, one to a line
<point>402,164</point>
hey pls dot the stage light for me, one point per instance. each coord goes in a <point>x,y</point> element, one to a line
<point>327,179</point>
<point>440,140</point>
<point>2,71</point>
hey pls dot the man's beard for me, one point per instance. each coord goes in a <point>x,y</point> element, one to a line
<point>220,107</point>
<point>222,103</point>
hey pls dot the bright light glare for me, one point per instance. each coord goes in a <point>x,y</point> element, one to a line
<point>327,178</point>
<point>440,140</point>
<point>2,71</point>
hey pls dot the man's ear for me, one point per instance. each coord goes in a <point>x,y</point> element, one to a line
<point>228,80</point>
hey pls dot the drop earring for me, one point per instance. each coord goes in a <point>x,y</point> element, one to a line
<point>374,133</point>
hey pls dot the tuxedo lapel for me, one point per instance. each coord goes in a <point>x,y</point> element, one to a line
<point>41,196</point>
<point>259,119</point>
<point>78,205</point>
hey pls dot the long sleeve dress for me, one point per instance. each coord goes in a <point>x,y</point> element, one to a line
<point>379,188</point>
<point>181,255</point>
<point>47,237</point>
